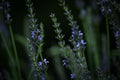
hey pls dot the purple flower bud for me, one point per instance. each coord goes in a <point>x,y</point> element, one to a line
<point>42,77</point>
<point>80,33</point>
<point>83,42</point>
<point>116,33</point>
<point>102,9</point>
<point>78,45</point>
<point>33,34</point>
<point>40,64</point>
<point>117,37</point>
<point>39,38</point>
<point>72,76</point>
<point>109,10</point>
<point>8,16</point>
<point>73,33</point>
<point>64,62</point>
<point>75,28</point>
<point>46,62</point>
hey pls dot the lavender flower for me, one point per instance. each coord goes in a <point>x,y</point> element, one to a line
<point>105,7</point>
<point>5,6</point>
<point>117,37</point>
<point>78,43</point>
<point>64,62</point>
<point>35,43</point>
<point>72,76</point>
<point>8,18</point>
<point>33,34</point>
<point>46,62</point>
<point>83,42</point>
<point>39,38</point>
<point>42,77</point>
<point>77,36</point>
<point>109,11</point>
<point>116,33</point>
<point>102,9</point>
<point>40,64</point>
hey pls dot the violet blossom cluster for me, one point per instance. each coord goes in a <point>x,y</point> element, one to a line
<point>74,58</point>
<point>35,43</point>
<point>77,37</point>
<point>117,37</point>
<point>105,7</point>
<point>5,7</point>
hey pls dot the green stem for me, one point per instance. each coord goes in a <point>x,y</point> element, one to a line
<point>13,70</point>
<point>7,48</point>
<point>15,51</point>
<point>40,53</point>
<point>108,41</point>
<point>29,75</point>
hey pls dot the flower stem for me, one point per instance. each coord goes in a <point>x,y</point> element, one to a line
<point>10,57</point>
<point>15,51</point>
<point>108,41</point>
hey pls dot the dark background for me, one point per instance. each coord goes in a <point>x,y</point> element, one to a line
<point>42,9</point>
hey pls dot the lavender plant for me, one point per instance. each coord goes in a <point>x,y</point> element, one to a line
<point>58,31</point>
<point>74,58</point>
<point>35,43</point>
<point>70,57</point>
